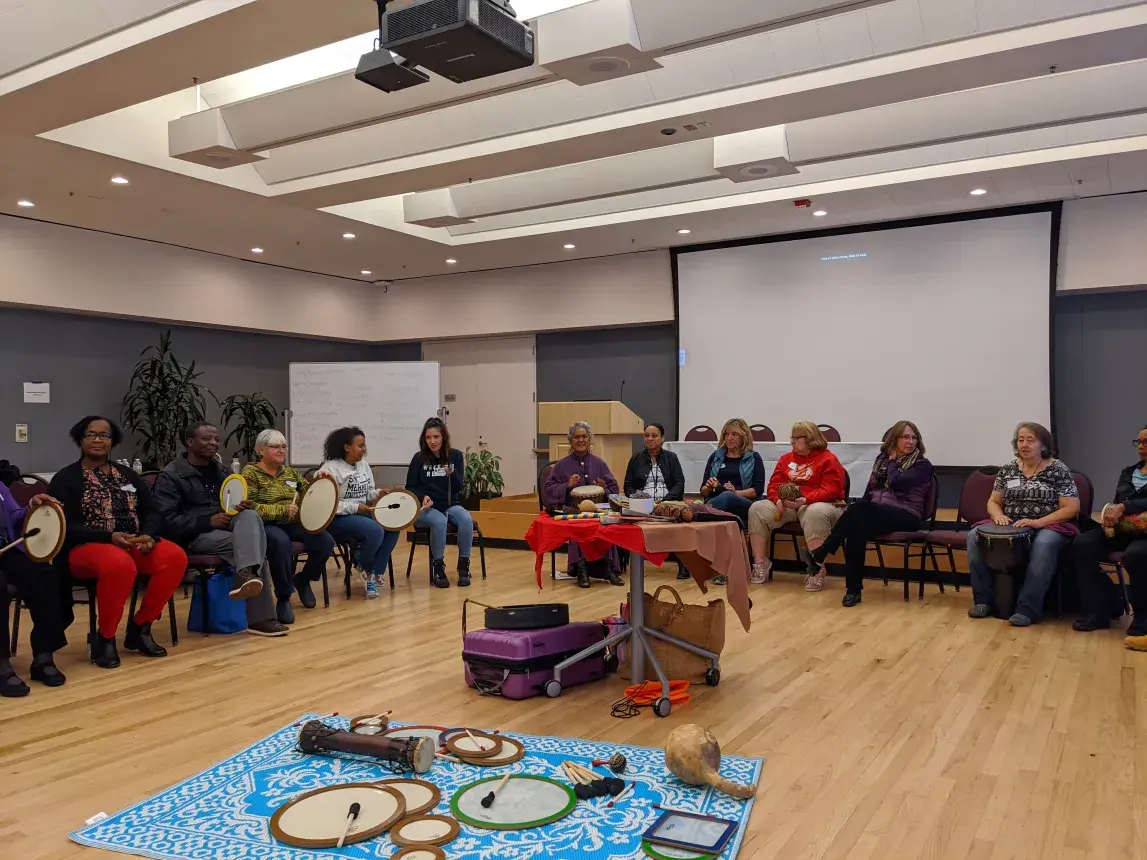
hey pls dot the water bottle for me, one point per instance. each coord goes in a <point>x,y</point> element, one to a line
<point>235,467</point>
<point>136,465</point>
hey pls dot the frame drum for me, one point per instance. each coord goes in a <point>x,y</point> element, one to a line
<point>232,491</point>
<point>523,802</point>
<point>481,745</point>
<point>425,830</point>
<point>318,818</point>
<point>421,796</point>
<point>44,545</point>
<point>397,510</point>
<point>419,852</point>
<point>319,504</point>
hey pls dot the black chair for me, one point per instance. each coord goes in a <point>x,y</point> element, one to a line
<point>422,533</point>
<point>344,559</point>
<point>830,432</point>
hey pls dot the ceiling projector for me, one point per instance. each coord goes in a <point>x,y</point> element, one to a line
<point>461,40</point>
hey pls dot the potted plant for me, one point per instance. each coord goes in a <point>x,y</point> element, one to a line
<point>252,414</point>
<point>483,478</point>
<point>164,398</point>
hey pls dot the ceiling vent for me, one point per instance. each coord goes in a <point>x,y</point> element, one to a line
<point>203,138</point>
<point>592,43</point>
<point>751,156</point>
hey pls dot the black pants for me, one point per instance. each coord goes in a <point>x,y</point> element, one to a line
<point>38,588</point>
<point>1097,593</point>
<point>860,522</point>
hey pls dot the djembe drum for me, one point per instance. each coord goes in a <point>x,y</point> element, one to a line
<point>1005,550</point>
<point>403,754</point>
<point>586,497</point>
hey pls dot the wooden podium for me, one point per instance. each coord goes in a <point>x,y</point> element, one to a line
<point>614,426</point>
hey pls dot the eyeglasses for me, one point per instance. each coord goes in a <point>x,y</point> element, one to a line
<point>102,436</point>
<point>1138,442</point>
<point>794,438</point>
<point>278,447</point>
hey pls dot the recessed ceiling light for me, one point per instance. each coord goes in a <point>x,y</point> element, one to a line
<point>570,247</point>
<point>119,180</point>
<point>976,192</point>
<point>27,204</point>
<point>819,213</point>
<point>684,231</point>
<point>451,262</point>
<point>348,235</point>
<point>365,272</point>
<point>256,250</point>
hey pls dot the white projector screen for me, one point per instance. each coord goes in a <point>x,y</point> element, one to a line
<point>945,324</point>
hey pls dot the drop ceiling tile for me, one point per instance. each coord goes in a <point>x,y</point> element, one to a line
<point>1044,138</point>
<point>895,26</point>
<point>797,48</point>
<point>1014,186</point>
<point>1049,9</point>
<point>672,80</point>
<point>845,38</point>
<point>966,150</point>
<point>1000,14</point>
<point>751,59</point>
<point>947,19</point>
<point>710,70</point>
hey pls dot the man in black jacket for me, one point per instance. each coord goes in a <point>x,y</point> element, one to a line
<point>667,482</point>
<point>187,494</point>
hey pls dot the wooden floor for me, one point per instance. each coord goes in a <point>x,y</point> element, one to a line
<point>892,731</point>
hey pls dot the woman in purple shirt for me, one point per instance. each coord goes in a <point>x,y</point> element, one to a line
<point>37,586</point>
<point>893,502</point>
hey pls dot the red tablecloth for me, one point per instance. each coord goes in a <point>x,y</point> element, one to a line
<point>706,549</point>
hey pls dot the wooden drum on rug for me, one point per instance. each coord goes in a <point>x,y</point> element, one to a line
<point>474,745</point>
<point>43,532</point>
<point>421,796</point>
<point>419,852</point>
<point>232,491</point>
<point>425,830</point>
<point>523,802</point>
<point>430,732</point>
<point>319,504</point>
<point>397,510</point>
<point>318,819</point>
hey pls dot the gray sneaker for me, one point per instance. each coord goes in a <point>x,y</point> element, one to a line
<point>980,610</point>
<point>1020,620</point>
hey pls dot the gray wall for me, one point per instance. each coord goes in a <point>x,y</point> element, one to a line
<point>1100,382</point>
<point>590,365</point>
<point>88,361</point>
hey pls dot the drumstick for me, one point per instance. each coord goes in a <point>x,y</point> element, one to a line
<point>624,792</point>
<point>489,799</point>
<point>374,721</point>
<point>481,746</point>
<point>18,541</point>
<point>570,775</point>
<point>351,815</point>
<point>449,757</point>
<point>585,772</point>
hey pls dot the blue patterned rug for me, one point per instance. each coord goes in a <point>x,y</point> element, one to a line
<point>223,813</point>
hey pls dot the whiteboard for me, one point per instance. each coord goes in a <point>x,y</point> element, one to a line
<point>389,400</point>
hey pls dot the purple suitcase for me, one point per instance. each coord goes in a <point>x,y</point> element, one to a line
<point>516,664</point>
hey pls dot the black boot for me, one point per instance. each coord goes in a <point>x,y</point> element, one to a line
<point>438,573</point>
<point>104,653</point>
<point>611,577</point>
<point>44,670</point>
<point>284,612</point>
<point>306,595</point>
<point>11,685</point>
<point>1095,621</point>
<point>1138,626</point>
<point>138,638</point>
<point>581,572</point>
<point>463,571</point>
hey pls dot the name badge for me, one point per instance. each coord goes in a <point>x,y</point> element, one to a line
<point>292,484</point>
<point>1013,483</point>
<point>128,488</point>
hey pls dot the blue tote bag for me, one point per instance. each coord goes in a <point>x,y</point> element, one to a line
<point>224,615</point>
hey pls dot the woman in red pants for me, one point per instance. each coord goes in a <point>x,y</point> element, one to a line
<point>113,537</point>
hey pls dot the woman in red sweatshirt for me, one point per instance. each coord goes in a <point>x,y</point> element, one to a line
<point>818,479</point>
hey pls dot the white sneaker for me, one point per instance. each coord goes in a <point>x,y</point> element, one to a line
<point>815,581</point>
<point>760,574</point>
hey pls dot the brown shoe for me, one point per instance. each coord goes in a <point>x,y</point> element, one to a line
<point>247,584</point>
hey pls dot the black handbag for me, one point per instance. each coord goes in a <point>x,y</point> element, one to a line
<point>530,616</point>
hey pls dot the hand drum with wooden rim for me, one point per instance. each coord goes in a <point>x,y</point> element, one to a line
<point>523,802</point>
<point>318,818</point>
<point>43,532</point>
<point>397,510</point>
<point>318,506</point>
<point>232,491</point>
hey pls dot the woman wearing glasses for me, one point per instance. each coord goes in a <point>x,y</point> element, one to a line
<point>112,537</point>
<point>276,490</point>
<point>1126,519</point>
<point>893,502</point>
<point>811,481</point>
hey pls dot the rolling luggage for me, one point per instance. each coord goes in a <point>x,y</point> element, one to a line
<point>516,664</point>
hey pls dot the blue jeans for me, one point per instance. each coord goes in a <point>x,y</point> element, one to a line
<point>318,548</point>
<point>730,502</point>
<point>1046,546</point>
<point>435,520</point>
<point>372,542</point>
